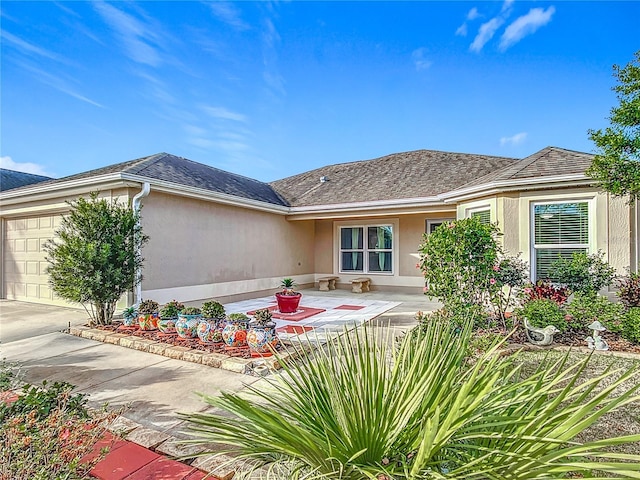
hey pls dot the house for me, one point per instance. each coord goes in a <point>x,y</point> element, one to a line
<point>214,234</point>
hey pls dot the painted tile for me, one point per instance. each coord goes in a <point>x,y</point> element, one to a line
<point>123,461</point>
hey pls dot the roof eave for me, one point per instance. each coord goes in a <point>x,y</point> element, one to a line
<point>207,195</point>
<point>509,185</point>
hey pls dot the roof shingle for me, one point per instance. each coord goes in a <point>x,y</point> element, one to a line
<point>11,179</point>
<point>416,174</point>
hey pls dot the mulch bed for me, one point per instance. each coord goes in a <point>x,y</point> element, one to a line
<point>175,340</point>
<point>577,339</point>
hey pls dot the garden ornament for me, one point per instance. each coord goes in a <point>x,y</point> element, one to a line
<point>540,336</point>
<point>596,342</point>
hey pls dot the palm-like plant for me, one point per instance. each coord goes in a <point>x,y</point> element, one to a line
<point>361,408</point>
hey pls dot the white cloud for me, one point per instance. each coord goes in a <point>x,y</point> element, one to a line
<point>516,139</point>
<point>29,48</point>
<point>229,14</point>
<point>473,14</point>
<point>485,33</point>
<point>58,83</point>
<point>506,6</point>
<point>419,59</point>
<point>525,25</point>
<point>462,30</point>
<point>27,167</point>
<point>136,37</point>
<point>224,114</point>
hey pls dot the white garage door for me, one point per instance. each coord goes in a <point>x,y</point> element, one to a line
<point>25,276</point>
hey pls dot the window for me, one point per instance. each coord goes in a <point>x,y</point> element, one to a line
<point>431,225</point>
<point>366,249</point>
<point>483,215</point>
<point>559,230</point>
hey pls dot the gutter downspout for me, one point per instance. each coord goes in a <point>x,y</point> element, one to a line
<point>135,205</point>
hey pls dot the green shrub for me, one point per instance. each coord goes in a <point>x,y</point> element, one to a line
<point>542,312</point>
<point>362,407</point>
<point>629,290</point>
<point>457,261</point>
<point>45,433</point>
<point>583,273</point>
<point>585,308</point>
<point>95,256</point>
<point>629,327</point>
<point>213,309</point>
<point>171,309</point>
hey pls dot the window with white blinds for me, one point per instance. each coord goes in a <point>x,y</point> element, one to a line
<point>483,215</point>
<point>560,229</point>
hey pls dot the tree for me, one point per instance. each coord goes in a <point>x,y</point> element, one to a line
<point>617,165</point>
<point>95,257</point>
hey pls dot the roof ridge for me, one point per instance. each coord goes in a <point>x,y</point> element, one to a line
<point>396,154</point>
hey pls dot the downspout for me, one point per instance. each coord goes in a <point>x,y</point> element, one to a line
<point>135,205</point>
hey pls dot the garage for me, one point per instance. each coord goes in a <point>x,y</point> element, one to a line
<point>24,263</point>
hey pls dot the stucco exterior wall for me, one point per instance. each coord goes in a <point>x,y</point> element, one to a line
<point>620,236</point>
<point>201,249</point>
<point>324,247</point>
<point>408,234</point>
<point>509,222</point>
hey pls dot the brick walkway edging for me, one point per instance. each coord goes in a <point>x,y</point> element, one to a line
<point>216,360</point>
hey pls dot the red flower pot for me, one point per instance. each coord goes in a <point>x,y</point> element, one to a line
<point>288,303</point>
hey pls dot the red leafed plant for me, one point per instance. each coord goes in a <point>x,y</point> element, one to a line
<point>544,289</point>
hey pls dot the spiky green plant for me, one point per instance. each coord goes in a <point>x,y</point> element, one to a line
<point>361,408</point>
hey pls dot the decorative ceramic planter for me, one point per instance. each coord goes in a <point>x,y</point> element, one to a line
<point>167,325</point>
<point>148,321</point>
<point>131,321</point>
<point>288,303</point>
<point>187,325</point>
<point>210,330</point>
<point>234,333</point>
<point>261,337</point>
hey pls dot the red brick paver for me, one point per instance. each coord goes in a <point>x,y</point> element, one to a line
<point>123,461</point>
<point>162,468</point>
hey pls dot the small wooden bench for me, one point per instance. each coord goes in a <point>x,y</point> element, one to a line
<point>359,285</point>
<point>327,283</point>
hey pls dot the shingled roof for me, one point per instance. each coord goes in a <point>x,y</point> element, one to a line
<point>548,162</point>
<point>182,171</point>
<point>416,174</point>
<point>11,179</point>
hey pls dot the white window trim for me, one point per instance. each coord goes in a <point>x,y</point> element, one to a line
<point>431,221</point>
<point>393,223</point>
<point>591,225</point>
<point>483,208</point>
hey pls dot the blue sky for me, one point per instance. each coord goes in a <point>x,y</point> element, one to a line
<point>268,90</point>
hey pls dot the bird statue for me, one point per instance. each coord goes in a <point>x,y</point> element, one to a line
<point>540,336</point>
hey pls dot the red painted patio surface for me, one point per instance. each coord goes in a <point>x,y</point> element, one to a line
<point>300,314</point>
<point>349,307</point>
<point>294,329</point>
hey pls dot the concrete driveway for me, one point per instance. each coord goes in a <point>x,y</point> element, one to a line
<point>20,320</point>
<point>152,387</point>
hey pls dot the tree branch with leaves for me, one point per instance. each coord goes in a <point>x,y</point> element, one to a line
<point>616,166</point>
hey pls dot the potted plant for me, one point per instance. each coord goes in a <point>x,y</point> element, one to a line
<point>210,327</point>
<point>288,299</point>
<point>187,323</point>
<point>235,329</point>
<point>169,316</point>
<point>261,336</point>
<point>148,315</point>
<point>129,316</point>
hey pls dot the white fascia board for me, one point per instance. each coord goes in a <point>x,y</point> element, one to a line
<point>367,206</point>
<point>71,187</point>
<point>207,195</point>
<point>537,183</point>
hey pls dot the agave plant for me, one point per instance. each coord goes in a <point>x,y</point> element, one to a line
<point>363,408</point>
